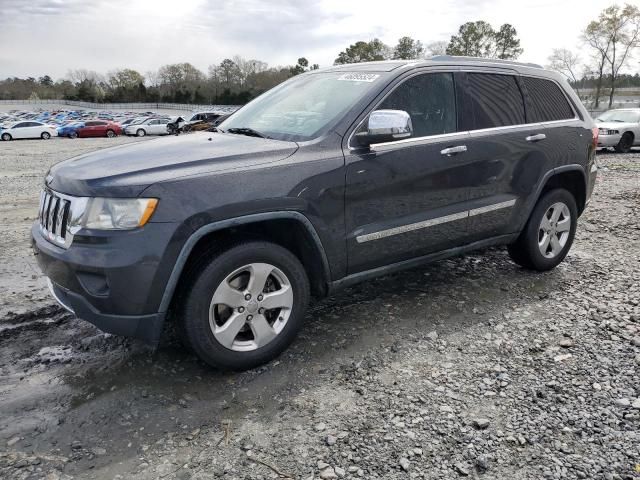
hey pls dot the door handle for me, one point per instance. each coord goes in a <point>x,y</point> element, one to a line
<point>453,150</point>
<point>536,138</point>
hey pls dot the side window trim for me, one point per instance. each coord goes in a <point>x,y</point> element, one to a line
<point>390,92</point>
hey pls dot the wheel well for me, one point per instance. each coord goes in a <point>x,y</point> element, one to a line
<point>288,233</point>
<point>630,133</point>
<point>573,181</point>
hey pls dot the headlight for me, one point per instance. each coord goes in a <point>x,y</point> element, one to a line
<point>114,213</point>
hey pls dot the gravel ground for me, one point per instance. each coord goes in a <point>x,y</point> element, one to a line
<point>469,367</point>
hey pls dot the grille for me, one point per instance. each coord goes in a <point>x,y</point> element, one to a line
<point>53,216</point>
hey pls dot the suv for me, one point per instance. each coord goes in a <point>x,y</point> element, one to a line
<point>331,178</point>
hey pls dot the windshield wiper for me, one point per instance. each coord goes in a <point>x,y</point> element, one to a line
<point>250,132</point>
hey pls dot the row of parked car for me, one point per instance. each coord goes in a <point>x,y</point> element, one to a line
<point>74,124</point>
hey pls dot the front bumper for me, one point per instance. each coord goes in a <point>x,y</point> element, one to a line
<point>114,280</point>
<point>605,141</point>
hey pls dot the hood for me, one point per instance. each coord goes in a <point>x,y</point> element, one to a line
<point>125,171</point>
<point>614,125</point>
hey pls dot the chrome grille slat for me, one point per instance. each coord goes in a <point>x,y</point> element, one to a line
<point>53,216</point>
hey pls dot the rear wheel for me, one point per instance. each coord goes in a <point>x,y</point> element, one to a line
<point>6,137</point>
<point>245,306</point>
<point>111,133</point>
<point>140,132</point>
<point>625,143</point>
<point>45,135</point>
<point>549,232</point>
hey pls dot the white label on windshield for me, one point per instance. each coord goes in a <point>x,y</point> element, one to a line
<point>358,77</point>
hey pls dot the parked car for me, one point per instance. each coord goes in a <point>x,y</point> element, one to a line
<point>619,129</point>
<point>208,117</point>
<point>70,129</point>
<point>27,129</point>
<point>331,178</point>
<point>99,128</point>
<point>148,126</point>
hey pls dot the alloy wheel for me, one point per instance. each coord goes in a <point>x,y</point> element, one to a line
<point>554,230</point>
<point>251,307</point>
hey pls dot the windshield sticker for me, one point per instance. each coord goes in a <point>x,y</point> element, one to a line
<point>358,77</point>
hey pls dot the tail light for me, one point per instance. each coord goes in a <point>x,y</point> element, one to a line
<point>595,133</point>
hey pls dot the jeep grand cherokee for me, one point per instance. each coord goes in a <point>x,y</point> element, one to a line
<point>331,178</point>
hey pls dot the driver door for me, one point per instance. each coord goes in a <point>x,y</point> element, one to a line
<point>406,198</point>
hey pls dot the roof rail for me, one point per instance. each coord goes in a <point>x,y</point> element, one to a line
<point>444,58</point>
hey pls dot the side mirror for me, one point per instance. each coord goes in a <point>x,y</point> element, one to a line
<point>386,126</point>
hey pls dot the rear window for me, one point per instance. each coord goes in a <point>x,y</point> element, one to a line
<point>546,102</point>
<point>495,100</point>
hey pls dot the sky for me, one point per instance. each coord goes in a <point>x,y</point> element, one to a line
<point>51,37</point>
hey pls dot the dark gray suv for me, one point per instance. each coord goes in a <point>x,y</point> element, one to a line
<point>331,178</point>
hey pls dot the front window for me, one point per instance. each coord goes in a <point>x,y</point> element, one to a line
<point>620,116</point>
<point>304,107</point>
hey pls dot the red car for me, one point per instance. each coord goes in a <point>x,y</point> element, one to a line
<point>99,128</point>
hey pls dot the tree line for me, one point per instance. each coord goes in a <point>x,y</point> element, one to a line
<point>609,44</point>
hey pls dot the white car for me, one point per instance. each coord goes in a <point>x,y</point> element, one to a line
<point>27,129</point>
<point>148,126</point>
<point>619,129</point>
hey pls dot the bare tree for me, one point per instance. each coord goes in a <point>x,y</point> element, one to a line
<point>565,62</point>
<point>623,27</point>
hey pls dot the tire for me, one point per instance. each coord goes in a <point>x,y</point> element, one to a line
<point>111,133</point>
<point>527,250</point>
<point>6,137</point>
<point>259,335</point>
<point>45,135</point>
<point>140,132</point>
<point>625,143</point>
<point>73,135</point>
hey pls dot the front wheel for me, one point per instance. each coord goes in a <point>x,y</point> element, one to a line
<point>6,137</point>
<point>549,232</point>
<point>111,133</point>
<point>245,306</point>
<point>73,135</point>
<point>45,135</point>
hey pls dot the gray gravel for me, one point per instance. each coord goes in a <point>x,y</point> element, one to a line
<point>470,367</point>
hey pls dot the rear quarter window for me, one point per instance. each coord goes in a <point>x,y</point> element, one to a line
<point>493,101</point>
<point>545,101</point>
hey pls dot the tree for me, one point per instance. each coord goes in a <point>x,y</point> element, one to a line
<point>566,62</point>
<point>363,52</point>
<point>507,43</point>
<point>596,37</point>
<point>45,81</point>
<point>622,27</point>
<point>479,39</point>
<point>474,39</point>
<point>408,49</point>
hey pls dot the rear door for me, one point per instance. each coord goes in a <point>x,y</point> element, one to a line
<point>406,198</point>
<point>503,152</point>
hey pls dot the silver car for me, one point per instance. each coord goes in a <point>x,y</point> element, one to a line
<point>619,129</point>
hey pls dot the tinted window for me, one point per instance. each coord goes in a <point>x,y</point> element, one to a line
<point>430,101</point>
<point>546,102</point>
<point>493,100</point>
<point>20,125</point>
<point>91,124</point>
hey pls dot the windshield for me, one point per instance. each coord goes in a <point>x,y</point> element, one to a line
<point>623,116</point>
<point>302,108</point>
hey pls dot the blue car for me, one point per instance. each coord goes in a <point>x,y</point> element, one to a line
<point>70,129</point>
